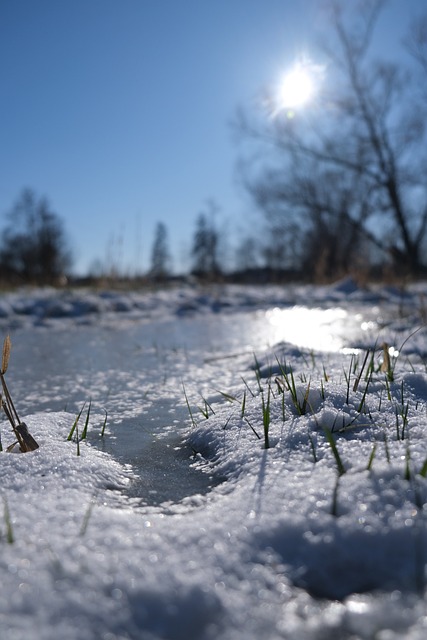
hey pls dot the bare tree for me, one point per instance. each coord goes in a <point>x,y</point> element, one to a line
<point>33,245</point>
<point>355,161</point>
<point>317,218</point>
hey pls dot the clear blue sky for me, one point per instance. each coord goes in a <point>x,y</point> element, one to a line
<point>119,110</point>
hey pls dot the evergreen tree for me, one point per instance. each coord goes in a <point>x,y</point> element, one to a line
<point>205,248</point>
<point>160,254</point>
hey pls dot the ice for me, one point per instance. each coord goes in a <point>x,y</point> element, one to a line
<point>280,543</point>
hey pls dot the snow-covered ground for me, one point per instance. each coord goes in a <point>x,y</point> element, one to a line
<point>321,535</point>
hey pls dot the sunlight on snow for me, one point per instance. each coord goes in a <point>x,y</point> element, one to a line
<point>320,329</point>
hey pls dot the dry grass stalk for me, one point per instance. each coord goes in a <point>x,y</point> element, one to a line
<point>386,365</point>
<point>25,439</point>
<point>7,345</point>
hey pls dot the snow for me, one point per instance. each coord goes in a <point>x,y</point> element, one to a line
<point>284,544</point>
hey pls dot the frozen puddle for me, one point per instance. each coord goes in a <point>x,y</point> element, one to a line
<point>163,464</point>
<point>136,372</point>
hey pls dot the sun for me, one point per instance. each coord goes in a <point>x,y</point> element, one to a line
<point>297,87</point>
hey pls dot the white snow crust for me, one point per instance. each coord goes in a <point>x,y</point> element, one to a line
<point>288,544</point>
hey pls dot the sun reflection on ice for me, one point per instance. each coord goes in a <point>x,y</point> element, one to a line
<point>320,329</point>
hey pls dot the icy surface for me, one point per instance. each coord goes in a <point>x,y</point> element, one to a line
<point>298,540</point>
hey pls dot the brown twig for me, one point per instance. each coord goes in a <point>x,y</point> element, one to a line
<point>25,439</point>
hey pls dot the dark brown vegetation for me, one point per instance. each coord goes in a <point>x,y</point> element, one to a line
<point>24,438</point>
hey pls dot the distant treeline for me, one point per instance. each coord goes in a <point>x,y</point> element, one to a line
<point>34,250</point>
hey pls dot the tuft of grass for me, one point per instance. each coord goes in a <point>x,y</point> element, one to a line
<point>289,383</point>
<point>205,409</point>
<point>74,431</point>
<point>75,423</point>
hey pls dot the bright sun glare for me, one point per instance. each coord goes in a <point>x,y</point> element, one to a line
<point>298,87</point>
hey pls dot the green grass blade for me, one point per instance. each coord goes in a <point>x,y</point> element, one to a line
<point>334,507</point>
<point>252,427</point>
<point>84,432</point>
<point>227,396</point>
<point>76,421</point>
<point>371,457</point>
<point>340,467</point>
<point>193,422</point>
<point>266,417</point>
<point>248,387</point>
<point>104,424</point>
<point>242,412</point>
<point>313,448</point>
